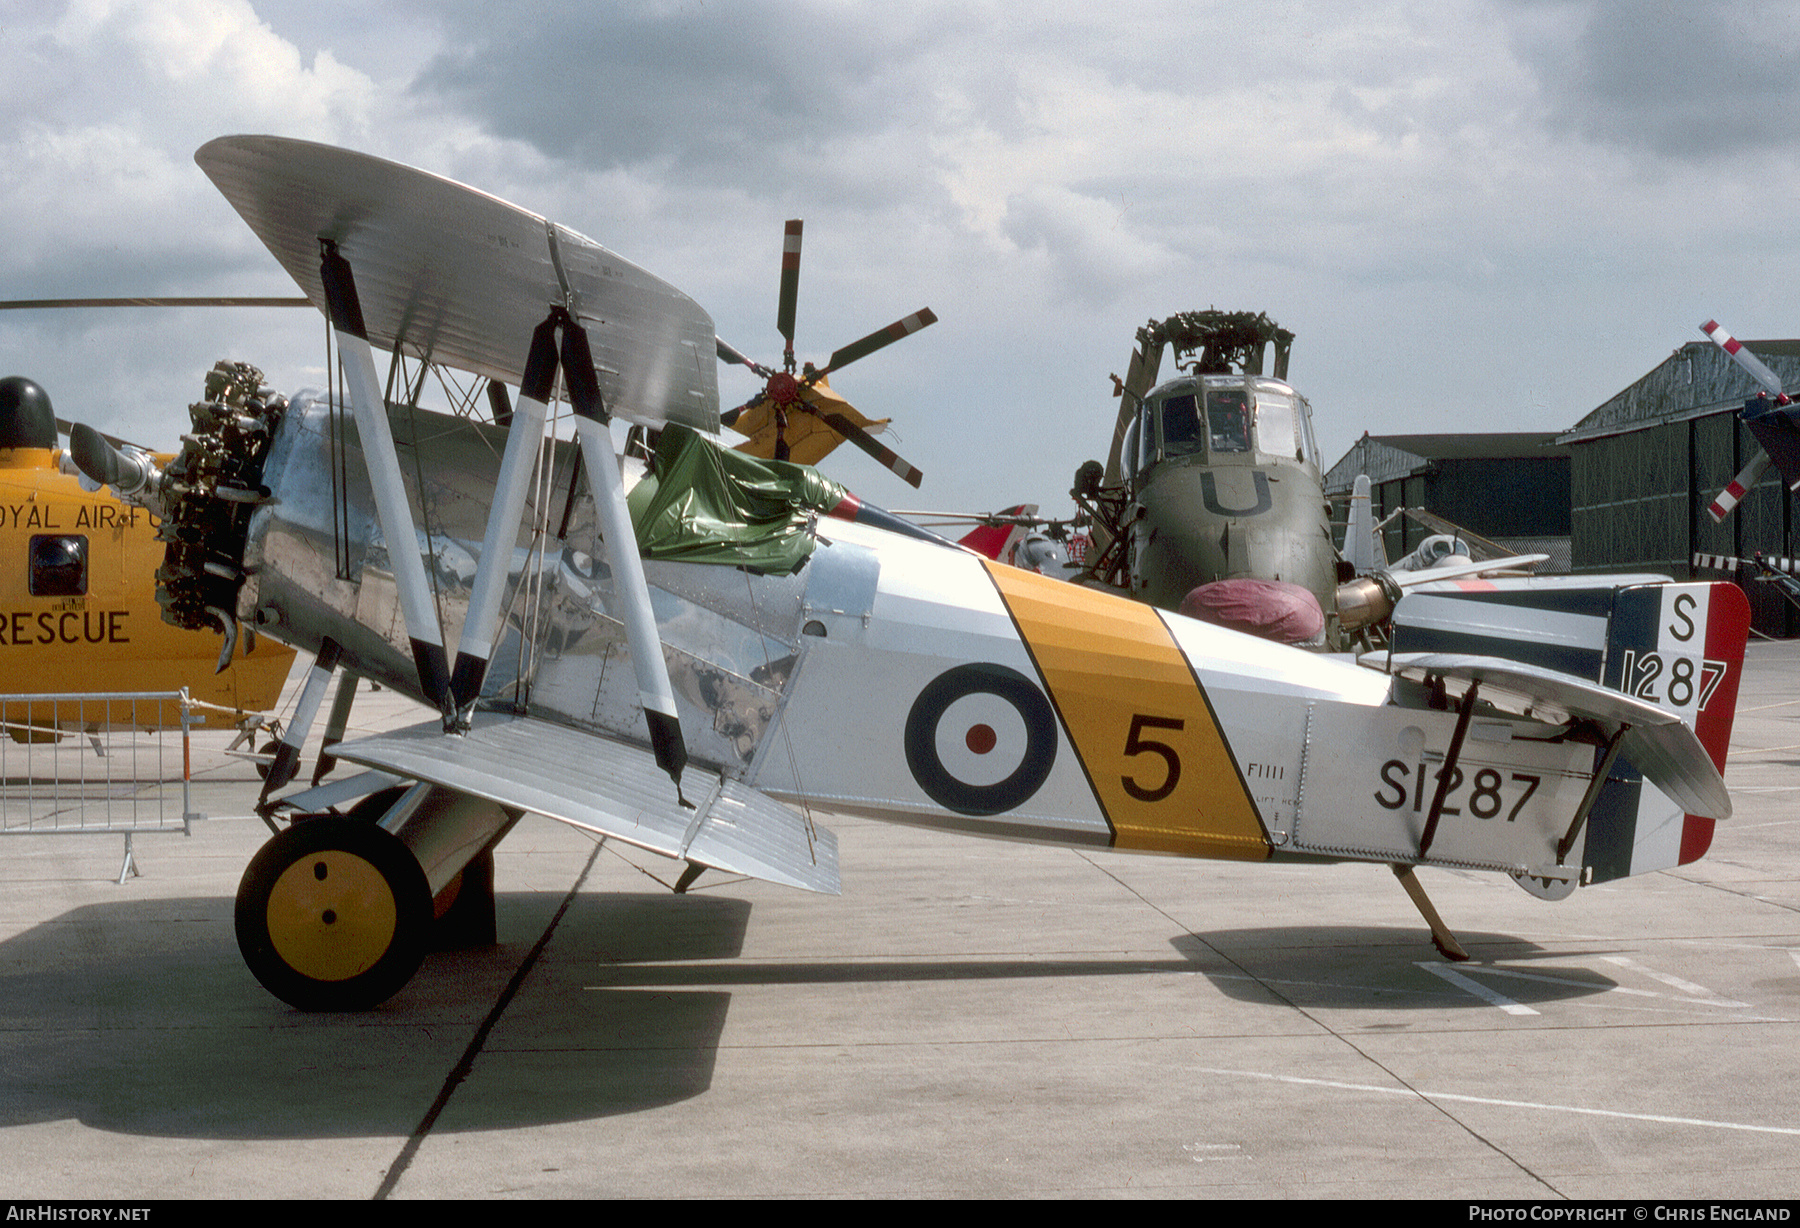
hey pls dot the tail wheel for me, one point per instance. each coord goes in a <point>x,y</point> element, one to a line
<point>333,915</point>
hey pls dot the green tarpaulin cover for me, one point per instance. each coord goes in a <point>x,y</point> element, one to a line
<point>705,504</point>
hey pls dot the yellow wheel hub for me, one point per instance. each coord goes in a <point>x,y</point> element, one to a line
<point>331,915</point>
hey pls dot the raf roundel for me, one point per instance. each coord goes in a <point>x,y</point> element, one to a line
<point>980,739</point>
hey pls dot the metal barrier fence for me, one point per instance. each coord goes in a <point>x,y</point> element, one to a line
<point>104,762</point>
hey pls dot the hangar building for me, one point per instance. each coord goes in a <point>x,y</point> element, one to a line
<point>1646,464</point>
<point>1512,488</point>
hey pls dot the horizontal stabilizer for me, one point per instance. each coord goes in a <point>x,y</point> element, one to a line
<point>612,788</point>
<point>1656,741</point>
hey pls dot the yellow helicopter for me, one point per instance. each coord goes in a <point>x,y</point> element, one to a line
<point>78,608</point>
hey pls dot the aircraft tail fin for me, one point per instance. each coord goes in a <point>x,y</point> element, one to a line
<point>1677,646</point>
<point>1359,529</point>
<point>1681,647</point>
<point>993,540</point>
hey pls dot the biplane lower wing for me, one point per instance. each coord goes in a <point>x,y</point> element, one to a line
<point>611,788</point>
<point>462,278</point>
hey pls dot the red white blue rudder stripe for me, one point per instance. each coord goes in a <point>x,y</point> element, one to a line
<point>1680,647</point>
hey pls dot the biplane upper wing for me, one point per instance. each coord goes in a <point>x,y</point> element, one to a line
<point>610,787</point>
<point>1656,741</point>
<point>462,278</point>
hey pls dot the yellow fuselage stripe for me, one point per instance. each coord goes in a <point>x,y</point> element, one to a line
<point>1138,719</point>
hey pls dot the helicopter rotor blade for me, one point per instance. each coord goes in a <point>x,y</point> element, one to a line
<point>730,353</point>
<point>730,416</point>
<point>1759,371</point>
<point>790,287</point>
<point>790,393</point>
<point>901,468</point>
<point>1745,359</point>
<point>1734,493</point>
<point>879,339</point>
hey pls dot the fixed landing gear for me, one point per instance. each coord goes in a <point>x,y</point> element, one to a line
<point>336,912</point>
<point>333,914</point>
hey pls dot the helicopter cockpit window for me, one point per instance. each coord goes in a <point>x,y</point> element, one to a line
<point>1129,453</point>
<point>1228,419</point>
<point>1309,447</point>
<point>1181,425</point>
<point>1277,427</point>
<point>59,565</point>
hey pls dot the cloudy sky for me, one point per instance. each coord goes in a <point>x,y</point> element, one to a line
<point>1477,215</point>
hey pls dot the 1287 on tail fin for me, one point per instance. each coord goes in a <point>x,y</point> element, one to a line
<point>1680,647</point>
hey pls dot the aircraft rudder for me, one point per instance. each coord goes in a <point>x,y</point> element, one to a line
<point>1726,635</point>
<point>1680,647</point>
<point>991,540</point>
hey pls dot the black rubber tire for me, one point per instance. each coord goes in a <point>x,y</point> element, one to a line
<point>333,914</point>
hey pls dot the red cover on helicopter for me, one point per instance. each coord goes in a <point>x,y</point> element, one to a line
<point>1272,609</point>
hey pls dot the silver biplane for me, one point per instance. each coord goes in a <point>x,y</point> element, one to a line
<point>676,665</point>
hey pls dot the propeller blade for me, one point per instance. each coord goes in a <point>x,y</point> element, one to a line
<point>67,427</point>
<point>1759,371</point>
<point>498,403</point>
<point>868,443</point>
<point>1744,358</point>
<point>1740,486</point>
<point>790,286</point>
<point>134,476</point>
<point>879,339</point>
<point>1725,562</point>
<point>97,457</point>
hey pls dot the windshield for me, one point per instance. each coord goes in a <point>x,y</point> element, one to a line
<point>1228,419</point>
<point>1180,426</point>
<point>1223,421</point>
<point>1277,425</point>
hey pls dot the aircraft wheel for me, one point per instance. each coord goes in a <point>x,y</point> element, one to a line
<point>263,765</point>
<point>333,915</point>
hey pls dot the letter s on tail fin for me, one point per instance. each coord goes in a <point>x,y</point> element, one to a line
<point>1681,647</point>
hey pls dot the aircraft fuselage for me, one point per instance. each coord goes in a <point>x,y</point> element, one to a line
<point>910,682</point>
